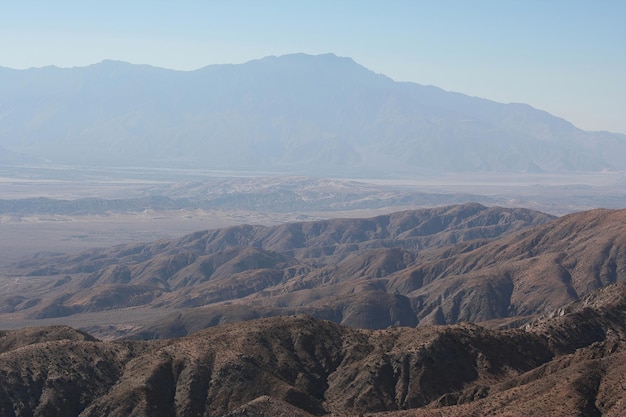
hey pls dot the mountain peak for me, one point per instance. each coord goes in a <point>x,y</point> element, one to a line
<point>302,114</point>
<point>304,57</point>
<point>327,62</point>
<point>113,62</point>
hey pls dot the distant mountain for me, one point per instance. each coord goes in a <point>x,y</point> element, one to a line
<point>316,115</point>
<point>275,194</point>
<point>572,363</point>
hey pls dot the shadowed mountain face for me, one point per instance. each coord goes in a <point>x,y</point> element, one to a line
<point>342,270</point>
<point>571,363</point>
<point>315,115</point>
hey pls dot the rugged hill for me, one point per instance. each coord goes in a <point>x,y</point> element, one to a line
<point>466,263</point>
<point>532,271</point>
<point>570,363</point>
<point>308,264</point>
<point>315,115</point>
<point>506,280</point>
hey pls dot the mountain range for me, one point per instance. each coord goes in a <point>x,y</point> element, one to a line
<point>236,263</point>
<point>463,263</point>
<point>571,363</point>
<point>450,311</point>
<point>300,114</point>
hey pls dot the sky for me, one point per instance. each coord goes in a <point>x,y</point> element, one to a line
<point>567,57</point>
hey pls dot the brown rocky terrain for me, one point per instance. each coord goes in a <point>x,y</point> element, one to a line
<point>506,280</point>
<point>468,263</point>
<point>242,271</point>
<point>533,271</point>
<point>570,362</point>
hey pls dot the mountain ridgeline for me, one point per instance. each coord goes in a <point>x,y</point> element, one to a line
<point>315,115</point>
<point>571,363</point>
<point>229,268</point>
<point>464,263</point>
<point>399,292</point>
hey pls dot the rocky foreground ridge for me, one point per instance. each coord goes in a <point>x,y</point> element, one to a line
<point>569,362</point>
<point>456,311</point>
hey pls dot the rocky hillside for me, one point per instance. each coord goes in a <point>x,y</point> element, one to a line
<point>466,263</point>
<point>505,280</point>
<point>570,362</point>
<point>306,263</point>
<point>535,270</point>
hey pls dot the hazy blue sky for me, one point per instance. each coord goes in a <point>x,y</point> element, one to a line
<point>567,57</point>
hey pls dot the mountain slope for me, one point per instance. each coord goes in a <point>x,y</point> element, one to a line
<point>297,113</point>
<point>512,278</point>
<point>568,364</point>
<point>307,263</point>
<point>535,270</point>
<point>465,263</point>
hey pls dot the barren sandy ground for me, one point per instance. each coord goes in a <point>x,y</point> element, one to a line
<point>23,236</point>
<point>27,235</point>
